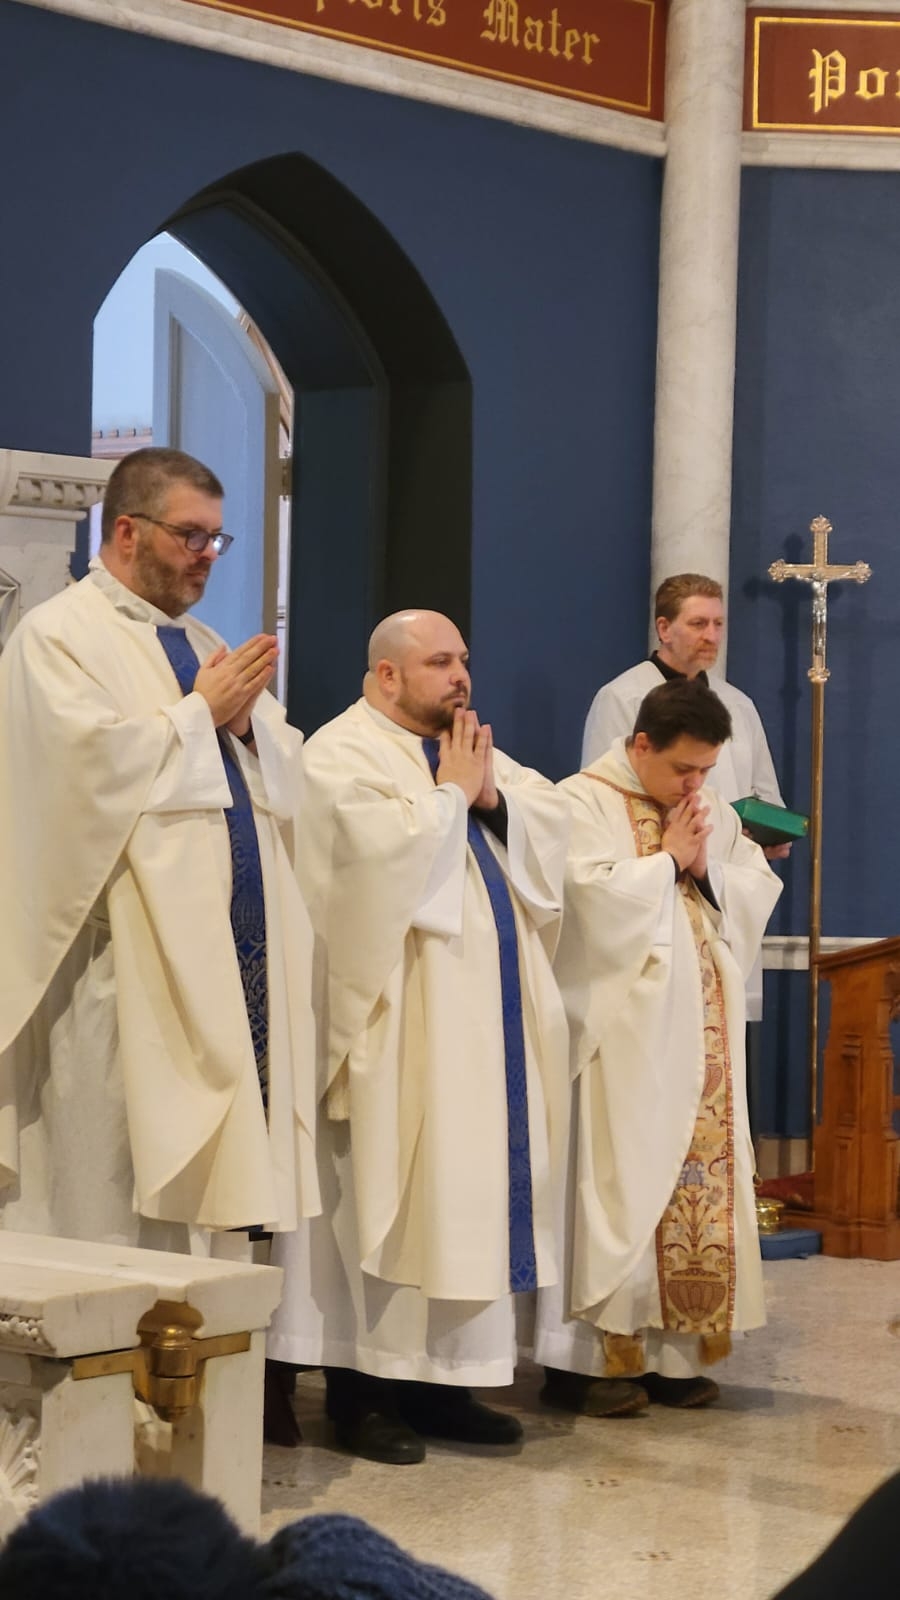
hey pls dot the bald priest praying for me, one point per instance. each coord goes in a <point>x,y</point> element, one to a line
<point>433,866</point>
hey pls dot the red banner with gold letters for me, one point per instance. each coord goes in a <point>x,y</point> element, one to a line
<point>608,52</point>
<point>831,73</point>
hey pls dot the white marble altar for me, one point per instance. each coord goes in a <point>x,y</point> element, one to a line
<point>69,1338</point>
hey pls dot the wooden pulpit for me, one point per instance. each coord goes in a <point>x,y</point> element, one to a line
<point>857,1149</point>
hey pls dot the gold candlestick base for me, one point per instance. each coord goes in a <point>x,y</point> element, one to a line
<point>768,1214</point>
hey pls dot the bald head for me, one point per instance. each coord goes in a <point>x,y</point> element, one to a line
<point>418,670</point>
<point>399,632</point>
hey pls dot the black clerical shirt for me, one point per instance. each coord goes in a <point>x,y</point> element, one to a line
<point>669,673</point>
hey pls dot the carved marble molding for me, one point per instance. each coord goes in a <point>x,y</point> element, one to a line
<point>20,1455</point>
<point>790,952</point>
<point>52,487</point>
<point>23,1333</point>
<point>278,46</point>
<point>835,152</point>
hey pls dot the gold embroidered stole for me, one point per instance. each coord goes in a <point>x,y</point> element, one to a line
<point>695,1236</point>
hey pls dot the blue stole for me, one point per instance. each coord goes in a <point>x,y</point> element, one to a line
<point>522,1264</point>
<point>248,907</point>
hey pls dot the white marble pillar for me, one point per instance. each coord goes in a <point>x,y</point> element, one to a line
<point>42,500</point>
<point>698,289</point>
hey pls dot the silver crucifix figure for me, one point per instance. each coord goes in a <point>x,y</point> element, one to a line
<point>818,574</point>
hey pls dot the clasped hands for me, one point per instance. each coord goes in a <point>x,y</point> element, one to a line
<point>686,833</point>
<point>231,681</point>
<point>467,759</point>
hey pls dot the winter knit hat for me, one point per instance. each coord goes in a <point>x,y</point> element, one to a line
<point>157,1539</point>
<point>342,1558</point>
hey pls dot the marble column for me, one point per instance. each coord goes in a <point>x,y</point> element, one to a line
<point>698,289</point>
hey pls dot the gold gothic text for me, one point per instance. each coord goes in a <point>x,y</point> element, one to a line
<point>829,78</point>
<point>505,24</point>
<point>431,12</point>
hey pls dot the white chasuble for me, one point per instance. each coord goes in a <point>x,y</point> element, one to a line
<point>128,1084</point>
<point>408,1272</point>
<point>661,1217</point>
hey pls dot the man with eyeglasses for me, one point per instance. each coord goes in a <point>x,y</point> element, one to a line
<point>156,1043</point>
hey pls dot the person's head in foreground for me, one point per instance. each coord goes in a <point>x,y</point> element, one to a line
<point>158,1539</point>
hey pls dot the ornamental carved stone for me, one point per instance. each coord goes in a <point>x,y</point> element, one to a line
<point>20,1449</point>
<point>50,486</point>
<point>10,591</point>
<point>23,1333</point>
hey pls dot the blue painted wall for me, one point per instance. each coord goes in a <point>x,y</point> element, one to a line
<point>541,252</point>
<point>817,430</point>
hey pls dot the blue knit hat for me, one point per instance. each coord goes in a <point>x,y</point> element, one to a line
<point>157,1539</point>
<point>342,1558</point>
<point>129,1539</point>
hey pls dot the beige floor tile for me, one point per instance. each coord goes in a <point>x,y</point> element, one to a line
<point>730,1501</point>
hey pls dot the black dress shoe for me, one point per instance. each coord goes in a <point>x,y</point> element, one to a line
<point>592,1397</point>
<point>377,1436</point>
<point>684,1393</point>
<point>441,1411</point>
<point>280,1426</point>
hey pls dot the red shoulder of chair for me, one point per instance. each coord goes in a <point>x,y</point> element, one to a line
<point>796,1191</point>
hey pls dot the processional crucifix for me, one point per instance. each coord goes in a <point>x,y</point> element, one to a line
<point>818,574</point>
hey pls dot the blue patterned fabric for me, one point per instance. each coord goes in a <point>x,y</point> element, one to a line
<point>248,907</point>
<point>522,1264</point>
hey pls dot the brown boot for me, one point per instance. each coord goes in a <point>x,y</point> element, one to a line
<point>592,1397</point>
<point>684,1393</point>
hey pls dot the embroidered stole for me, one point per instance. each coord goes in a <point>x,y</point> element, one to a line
<point>522,1262</point>
<point>695,1252</point>
<point>248,910</point>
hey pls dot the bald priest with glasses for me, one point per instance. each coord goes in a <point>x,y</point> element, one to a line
<point>156,1045</point>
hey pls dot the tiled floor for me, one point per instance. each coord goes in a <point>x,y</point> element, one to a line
<point>730,1501</point>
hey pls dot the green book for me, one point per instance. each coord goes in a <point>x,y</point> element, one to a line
<point>768,824</point>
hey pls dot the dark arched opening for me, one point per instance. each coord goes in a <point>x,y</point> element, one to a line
<point>382,453</point>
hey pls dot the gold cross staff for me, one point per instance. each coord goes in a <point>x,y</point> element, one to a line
<point>818,574</point>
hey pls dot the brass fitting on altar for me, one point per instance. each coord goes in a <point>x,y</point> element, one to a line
<point>168,1377</point>
<point>167,1366</point>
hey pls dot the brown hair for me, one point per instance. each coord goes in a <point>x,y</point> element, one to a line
<point>141,481</point>
<point>683,705</point>
<point>672,593</point>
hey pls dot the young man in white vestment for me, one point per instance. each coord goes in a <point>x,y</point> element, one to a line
<point>157,1055</point>
<point>432,866</point>
<point>666,904</point>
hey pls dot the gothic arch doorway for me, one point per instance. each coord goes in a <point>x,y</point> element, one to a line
<point>381,471</point>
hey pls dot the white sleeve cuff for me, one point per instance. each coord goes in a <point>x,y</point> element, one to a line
<point>192,776</point>
<point>441,907</point>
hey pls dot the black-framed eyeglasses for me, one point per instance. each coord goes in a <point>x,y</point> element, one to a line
<point>195,539</point>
